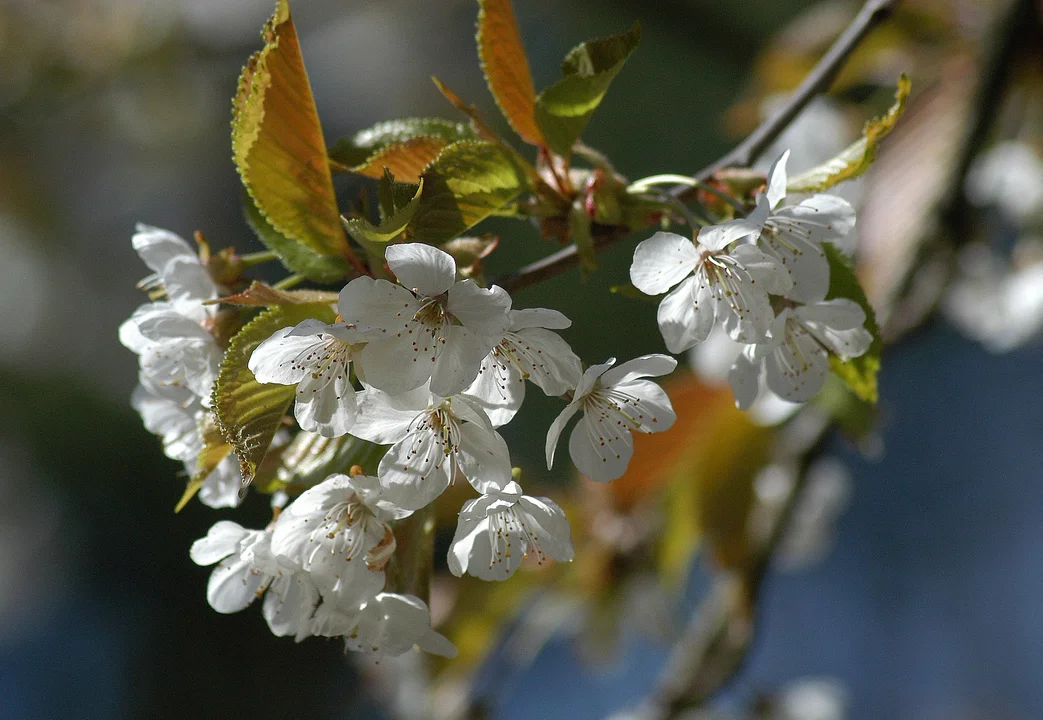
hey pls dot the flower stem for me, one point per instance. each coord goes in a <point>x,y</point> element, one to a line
<point>256,258</point>
<point>668,179</point>
<point>288,282</point>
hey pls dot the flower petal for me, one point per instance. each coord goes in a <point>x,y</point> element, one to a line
<point>289,604</point>
<point>457,364</point>
<point>776,190</point>
<point>284,358</point>
<point>233,585</point>
<point>600,448</point>
<point>744,379</point>
<point>538,318</point>
<point>415,470</point>
<point>484,458</point>
<point>157,246</point>
<point>326,404</point>
<point>377,304</point>
<point>797,369</point>
<point>556,428</point>
<point>662,261</point>
<point>717,237</point>
<point>552,527</point>
<point>222,539</point>
<point>686,319</point>
<point>381,419</point>
<point>396,366</point>
<point>654,365</point>
<point>498,390</point>
<point>483,311</point>
<point>421,267</point>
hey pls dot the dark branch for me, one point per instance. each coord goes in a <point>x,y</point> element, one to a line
<point>816,82</point>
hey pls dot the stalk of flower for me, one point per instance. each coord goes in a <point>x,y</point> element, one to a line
<point>795,359</point>
<point>710,284</point>
<point>498,530</point>
<point>429,327</point>
<point>432,439</point>
<point>527,351</point>
<point>615,402</point>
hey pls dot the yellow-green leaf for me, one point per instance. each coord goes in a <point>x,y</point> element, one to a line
<point>506,68</point>
<point>857,157</point>
<point>397,215</point>
<point>347,154</point>
<point>299,258</point>
<point>405,160</point>
<point>215,449</point>
<point>564,109</point>
<point>263,295</point>
<point>469,181</point>
<point>277,143</point>
<point>858,373</point>
<point>248,412</point>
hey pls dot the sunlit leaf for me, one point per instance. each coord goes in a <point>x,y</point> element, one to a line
<point>405,160</point>
<point>248,412</point>
<point>469,252</point>
<point>506,68</point>
<point>349,153</point>
<point>564,109</point>
<point>398,202</point>
<point>277,143</point>
<point>297,257</point>
<point>859,373</point>
<point>857,157</point>
<point>469,181</point>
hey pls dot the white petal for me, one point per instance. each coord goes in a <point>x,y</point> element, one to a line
<point>422,267</point>
<point>552,527</point>
<point>458,361</point>
<point>221,541</point>
<point>289,603</point>
<point>538,318</point>
<point>776,190</point>
<point>484,459</point>
<point>415,470</point>
<point>797,369</point>
<point>654,365</point>
<point>590,378</point>
<point>600,448</point>
<point>178,425</point>
<point>233,585</point>
<point>662,261</point>
<point>326,405</point>
<point>548,360</point>
<point>157,247</point>
<point>284,359</point>
<point>839,314</point>
<point>648,408</point>
<point>499,390</point>
<point>221,488</point>
<point>685,319</point>
<point>396,365</point>
<point>806,264</point>
<point>718,237</point>
<point>437,644</point>
<point>556,428</point>
<point>377,303</point>
<point>763,268</point>
<point>744,379</point>
<point>820,218</point>
<point>385,420</point>
<point>469,529</point>
<point>483,311</point>
<point>188,285</point>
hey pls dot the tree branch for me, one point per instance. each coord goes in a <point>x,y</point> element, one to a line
<point>817,81</point>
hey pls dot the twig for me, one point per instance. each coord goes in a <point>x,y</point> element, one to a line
<point>815,82</point>
<point>818,80</point>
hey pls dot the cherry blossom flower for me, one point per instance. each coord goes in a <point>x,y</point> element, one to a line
<point>498,530</point>
<point>527,351</point>
<point>710,284</point>
<point>615,402</point>
<point>795,360</point>
<point>431,327</point>
<point>177,271</point>
<point>337,531</point>
<point>316,357</point>
<point>431,438</point>
<point>247,569</point>
<point>388,625</point>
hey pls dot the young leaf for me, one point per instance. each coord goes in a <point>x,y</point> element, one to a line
<point>469,252</point>
<point>564,109</point>
<point>296,257</point>
<point>469,181</point>
<point>856,158</point>
<point>310,458</point>
<point>366,143</point>
<point>277,143</point>
<point>396,215</point>
<point>248,412</point>
<point>858,373</point>
<point>405,160</point>
<point>215,449</point>
<point>263,295</point>
<point>506,68</point>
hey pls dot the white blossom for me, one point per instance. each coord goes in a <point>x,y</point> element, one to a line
<point>496,531</point>
<point>388,625</point>
<point>795,359</point>
<point>177,271</point>
<point>431,326</point>
<point>431,438</point>
<point>316,357</point>
<point>247,569</point>
<point>615,402</point>
<point>337,531</point>
<point>529,350</point>
<point>713,284</point>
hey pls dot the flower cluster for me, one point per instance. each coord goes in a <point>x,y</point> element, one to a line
<point>764,280</point>
<point>429,367</point>
<point>178,357</point>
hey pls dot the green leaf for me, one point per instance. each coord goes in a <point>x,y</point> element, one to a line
<point>564,109</point>
<point>579,232</point>
<point>365,144</point>
<point>469,181</point>
<point>248,412</point>
<point>310,458</point>
<point>857,157</point>
<point>506,67</point>
<point>296,257</point>
<point>406,159</point>
<point>215,449</point>
<point>398,202</point>
<point>858,373</point>
<point>277,143</point>
<point>260,294</point>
